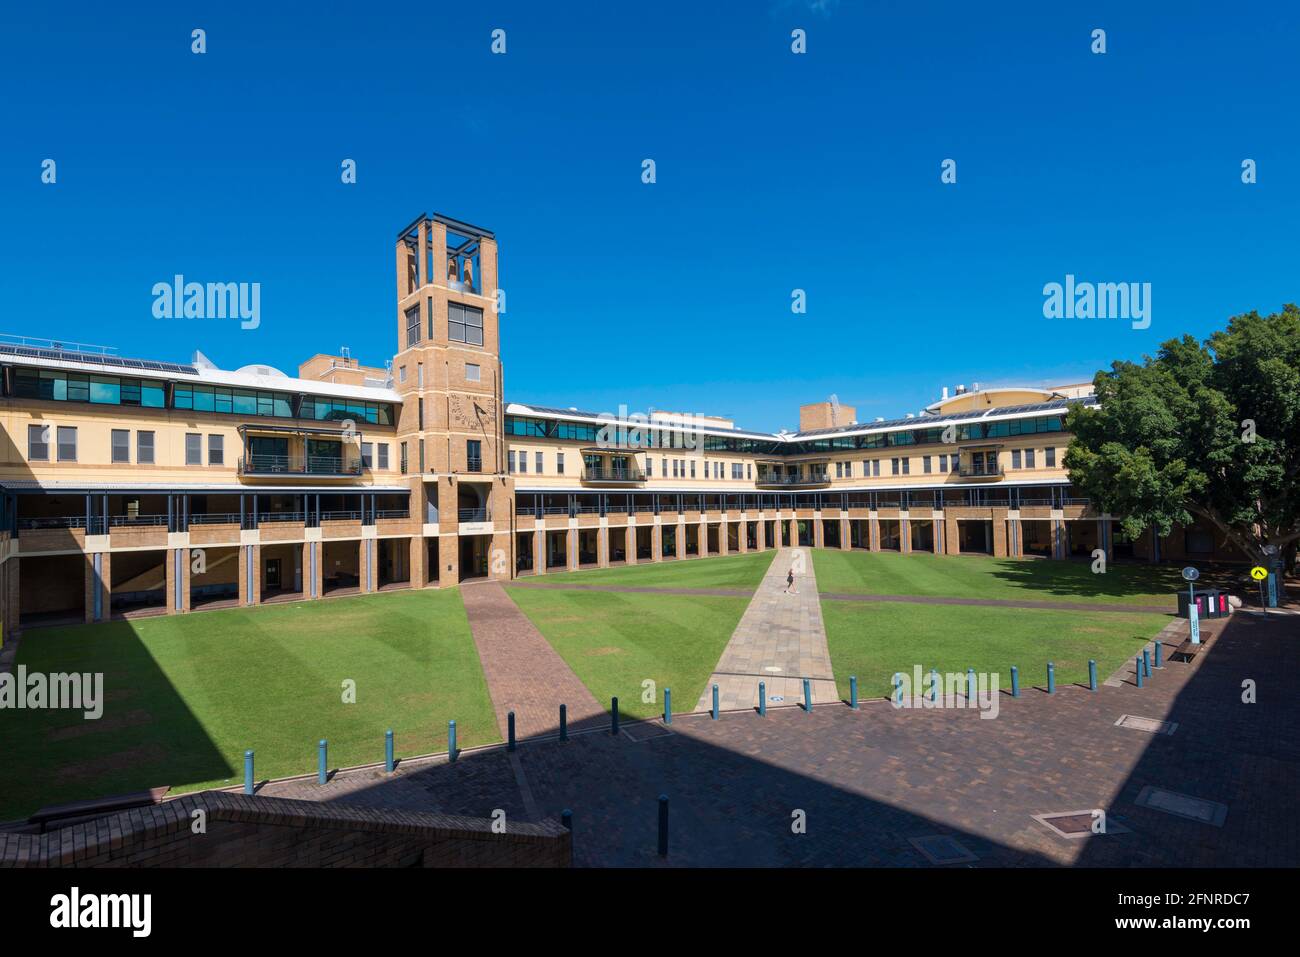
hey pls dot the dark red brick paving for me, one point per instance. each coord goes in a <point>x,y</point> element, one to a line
<point>871,780</point>
<point>524,673</point>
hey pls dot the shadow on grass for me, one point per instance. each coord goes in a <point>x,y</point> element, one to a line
<point>1046,579</point>
<point>146,737</point>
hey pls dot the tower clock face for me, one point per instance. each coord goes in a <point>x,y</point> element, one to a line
<point>473,412</point>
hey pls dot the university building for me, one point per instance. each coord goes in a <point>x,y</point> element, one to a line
<point>132,486</point>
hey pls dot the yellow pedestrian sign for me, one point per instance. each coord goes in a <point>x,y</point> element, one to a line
<point>1259,573</point>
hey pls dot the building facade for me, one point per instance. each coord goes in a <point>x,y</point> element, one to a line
<point>136,487</point>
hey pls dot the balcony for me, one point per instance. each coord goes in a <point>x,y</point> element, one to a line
<point>626,475</point>
<point>472,514</point>
<point>785,480</point>
<point>981,471</point>
<point>317,465</point>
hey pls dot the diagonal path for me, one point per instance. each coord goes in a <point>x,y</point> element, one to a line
<point>524,673</point>
<point>780,641</point>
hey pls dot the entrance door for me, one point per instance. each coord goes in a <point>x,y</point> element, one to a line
<point>272,574</point>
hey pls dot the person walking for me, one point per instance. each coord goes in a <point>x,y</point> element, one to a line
<point>789,582</point>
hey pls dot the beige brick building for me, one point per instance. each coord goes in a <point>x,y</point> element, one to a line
<point>134,486</point>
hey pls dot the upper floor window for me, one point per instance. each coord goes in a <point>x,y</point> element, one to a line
<point>144,448</point>
<point>1029,459</point>
<point>474,455</point>
<point>367,455</point>
<point>38,443</point>
<point>538,463</point>
<point>193,448</point>
<point>383,455</point>
<point>216,449</point>
<point>464,324</point>
<point>510,461</point>
<point>1049,455</point>
<point>412,326</point>
<point>67,443</point>
<point>121,445</point>
<point>472,372</point>
<point>559,462</point>
<point>62,386</point>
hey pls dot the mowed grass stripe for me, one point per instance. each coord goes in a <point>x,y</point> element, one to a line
<point>186,695</point>
<point>964,576</point>
<point>729,571</point>
<point>873,640</point>
<point>614,641</point>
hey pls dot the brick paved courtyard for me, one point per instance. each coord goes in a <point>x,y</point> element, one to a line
<point>871,781</point>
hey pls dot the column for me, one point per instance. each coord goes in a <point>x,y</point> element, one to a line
<point>904,535</point>
<point>602,547</point>
<point>313,570</point>
<point>97,590</point>
<point>1000,533</point>
<point>873,531</point>
<point>539,551</point>
<point>952,537</point>
<point>571,548</point>
<point>846,540</point>
<point>419,562</point>
<point>177,568</point>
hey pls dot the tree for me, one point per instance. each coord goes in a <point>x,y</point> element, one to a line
<point>1203,430</point>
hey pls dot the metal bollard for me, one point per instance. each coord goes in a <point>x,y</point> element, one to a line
<point>566,819</point>
<point>1146,663</point>
<point>613,716</point>
<point>668,706</point>
<point>248,772</point>
<point>898,689</point>
<point>322,764</point>
<point>1015,682</point>
<point>510,731</point>
<point>762,699</point>
<point>715,702</point>
<point>1051,678</point>
<point>1159,646</point>
<point>853,692</point>
<point>388,751</point>
<point>934,684</point>
<point>807,695</point>
<point>663,825</point>
<point>451,741</point>
<point>564,723</point>
<point>970,685</point>
<point>1092,675</point>
<point>1138,662</point>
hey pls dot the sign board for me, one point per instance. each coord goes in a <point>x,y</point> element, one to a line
<point>1259,573</point>
<point>1195,618</point>
<point>1272,591</point>
<point>1190,574</point>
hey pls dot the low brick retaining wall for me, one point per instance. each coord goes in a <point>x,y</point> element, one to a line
<point>247,831</point>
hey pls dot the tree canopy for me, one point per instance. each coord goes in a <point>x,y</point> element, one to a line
<point>1202,430</point>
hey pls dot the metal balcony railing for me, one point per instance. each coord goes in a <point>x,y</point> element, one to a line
<point>981,471</point>
<point>812,478</point>
<point>59,521</point>
<point>120,521</point>
<point>281,517</point>
<point>265,464</point>
<point>393,513</point>
<point>215,518</point>
<point>474,465</point>
<point>590,474</point>
<point>472,514</point>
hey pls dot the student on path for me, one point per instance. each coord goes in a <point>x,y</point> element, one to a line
<point>789,582</point>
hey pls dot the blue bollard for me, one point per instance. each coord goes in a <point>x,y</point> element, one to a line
<point>322,764</point>
<point>1146,663</point>
<point>510,731</point>
<point>934,684</point>
<point>807,696</point>
<point>566,819</point>
<point>1092,675</point>
<point>715,702</point>
<point>970,685</point>
<point>1159,645</point>
<point>564,723</point>
<point>451,741</point>
<point>853,692</point>
<point>1051,678</point>
<point>1138,662</point>
<point>762,699</point>
<point>248,772</point>
<point>668,706</point>
<point>663,825</point>
<point>898,689</point>
<point>613,716</point>
<point>1015,682</point>
<point>388,751</point>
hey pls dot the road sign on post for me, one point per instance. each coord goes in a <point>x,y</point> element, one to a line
<point>1190,575</point>
<point>1259,573</point>
<point>1194,617</point>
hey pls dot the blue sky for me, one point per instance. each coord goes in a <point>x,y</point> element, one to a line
<point>775,172</point>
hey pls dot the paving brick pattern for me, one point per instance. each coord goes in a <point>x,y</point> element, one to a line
<point>779,641</point>
<point>524,673</point>
<point>871,781</point>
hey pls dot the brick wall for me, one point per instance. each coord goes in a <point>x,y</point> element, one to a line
<point>275,832</point>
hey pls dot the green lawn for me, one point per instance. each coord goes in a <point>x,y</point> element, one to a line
<point>873,640</point>
<point>731,571</point>
<point>186,695</point>
<point>957,576</point>
<point>614,641</point>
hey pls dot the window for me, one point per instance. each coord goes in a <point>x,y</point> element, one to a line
<point>893,464</point>
<point>216,449</point>
<point>1050,455</point>
<point>38,445</point>
<point>121,445</point>
<point>737,470</point>
<point>474,456</point>
<point>402,452</point>
<point>67,443</point>
<point>472,372</point>
<point>749,470</point>
<point>464,324</point>
<point>401,373</point>
<point>412,326</point>
<point>839,470</point>
<point>193,448</point>
<point>367,455</point>
<point>419,410</point>
<point>559,462</point>
<point>692,468</point>
<point>523,461</point>
<point>419,375</point>
<point>1029,459</point>
<point>537,461</point>
<point>421,448</point>
<point>63,386</point>
<point>144,448</point>
<point>943,463</point>
<point>1015,458</point>
<point>664,469</point>
<point>383,455</point>
<point>510,461</point>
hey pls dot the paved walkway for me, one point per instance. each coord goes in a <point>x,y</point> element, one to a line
<point>524,673</point>
<point>780,641</point>
<point>871,782</point>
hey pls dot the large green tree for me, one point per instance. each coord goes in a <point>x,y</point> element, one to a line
<point>1205,431</point>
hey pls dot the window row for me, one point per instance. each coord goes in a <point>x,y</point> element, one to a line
<point>464,324</point>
